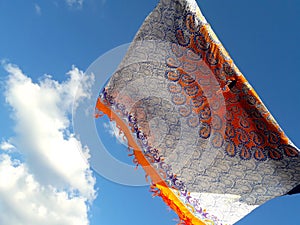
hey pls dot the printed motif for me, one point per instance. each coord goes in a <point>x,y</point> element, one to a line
<point>246,109</point>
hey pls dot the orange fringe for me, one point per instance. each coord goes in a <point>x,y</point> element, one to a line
<point>159,187</point>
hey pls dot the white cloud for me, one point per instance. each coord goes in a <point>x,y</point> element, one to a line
<point>75,3</point>
<point>38,9</point>
<point>55,181</point>
<point>113,130</point>
<point>6,146</point>
<point>24,201</point>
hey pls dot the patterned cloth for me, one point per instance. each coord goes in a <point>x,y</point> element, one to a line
<point>211,148</point>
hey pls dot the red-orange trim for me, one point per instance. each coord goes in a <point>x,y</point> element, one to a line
<point>168,196</point>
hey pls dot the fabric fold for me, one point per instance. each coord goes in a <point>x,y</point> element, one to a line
<point>211,148</point>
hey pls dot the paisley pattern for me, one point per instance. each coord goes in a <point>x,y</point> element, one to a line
<point>194,122</point>
<point>244,109</point>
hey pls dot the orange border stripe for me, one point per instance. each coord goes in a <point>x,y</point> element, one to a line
<point>166,194</point>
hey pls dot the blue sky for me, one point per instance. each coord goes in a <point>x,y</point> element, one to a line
<point>48,37</point>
